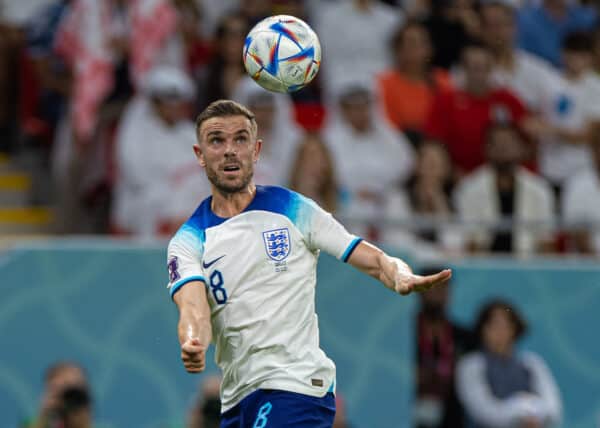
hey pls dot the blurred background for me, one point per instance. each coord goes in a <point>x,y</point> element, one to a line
<point>457,133</point>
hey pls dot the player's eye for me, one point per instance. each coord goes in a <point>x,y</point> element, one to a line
<point>241,139</point>
<point>215,141</point>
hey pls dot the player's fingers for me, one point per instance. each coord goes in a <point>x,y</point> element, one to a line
<point>192,356</point>
<point>194,368</point>
<point>194,364</point>
<point>191,349</point>
<point>436,279</point>
<point>405,287</point>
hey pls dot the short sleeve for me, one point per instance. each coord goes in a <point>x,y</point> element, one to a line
<point>323,232</point>
<point>184,259</point>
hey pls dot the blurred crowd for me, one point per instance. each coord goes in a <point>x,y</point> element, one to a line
<point>443,125</point>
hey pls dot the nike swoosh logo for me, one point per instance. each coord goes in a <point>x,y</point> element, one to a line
<point>207,265</point>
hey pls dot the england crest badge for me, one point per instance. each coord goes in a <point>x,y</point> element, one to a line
<point>277,243</point>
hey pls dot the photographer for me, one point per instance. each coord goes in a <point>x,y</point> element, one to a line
<point>66,401</point>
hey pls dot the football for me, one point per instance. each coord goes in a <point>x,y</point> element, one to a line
<point>282,53</point>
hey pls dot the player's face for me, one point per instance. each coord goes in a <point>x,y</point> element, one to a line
<point>228,150</point>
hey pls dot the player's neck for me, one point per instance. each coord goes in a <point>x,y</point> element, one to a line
<point>230,204</point>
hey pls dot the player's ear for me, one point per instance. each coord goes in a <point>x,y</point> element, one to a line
<point>257,148</point>
<point>199,155</point>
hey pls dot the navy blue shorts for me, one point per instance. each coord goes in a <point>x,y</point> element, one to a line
<point>269,408</point>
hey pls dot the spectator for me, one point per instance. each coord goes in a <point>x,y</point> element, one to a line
<point>531,78</point>
<point>66,399</point>
<point>354,35</point>
<point>277,129</point>
<point>110,47</point>
<point>542,27</point>
<point>370,156</point>
<point>429,191</point>
<point>408,89</point>
<point>197,46</point>
<point>206,412</point>
<point>440,342</point>
<point>460,117</point>
<point>536,82</point>
<point>45,79</point>
<point>501,387</point>
<point>424,205</point>
<point>564,146</point>
<point>226,69</point>
<point>153,150</point>
<point>581,202</point>
<point>502,190</point>
<point>451,23</point>
<point>313,173</point>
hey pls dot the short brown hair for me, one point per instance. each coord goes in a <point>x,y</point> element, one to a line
<point>224,108</point>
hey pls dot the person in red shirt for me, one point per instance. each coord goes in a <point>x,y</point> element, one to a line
<point>459,117</point>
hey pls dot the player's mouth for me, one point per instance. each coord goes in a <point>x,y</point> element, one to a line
<point>231,169</point>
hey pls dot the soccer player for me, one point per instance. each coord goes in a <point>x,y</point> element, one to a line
<point>242,271</point>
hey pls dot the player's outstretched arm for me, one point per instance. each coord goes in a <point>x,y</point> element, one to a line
<point>194,328</point>
<point>393,272</point>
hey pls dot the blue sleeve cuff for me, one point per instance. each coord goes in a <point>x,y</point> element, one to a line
<point>351,249</point>
<point>177,286</point>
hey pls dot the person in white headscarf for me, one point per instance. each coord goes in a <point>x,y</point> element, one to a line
<point>276,127</point>
<point>371,157</point>
<point>159,181</point>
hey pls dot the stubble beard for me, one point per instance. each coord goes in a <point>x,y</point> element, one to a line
<point>225,187</point>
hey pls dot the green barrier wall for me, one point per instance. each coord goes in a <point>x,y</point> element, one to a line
<point>105,304</point>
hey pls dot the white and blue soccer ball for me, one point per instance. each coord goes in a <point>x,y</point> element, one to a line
<point>282,53</point>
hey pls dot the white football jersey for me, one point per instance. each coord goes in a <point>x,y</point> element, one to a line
<point>260,271</point>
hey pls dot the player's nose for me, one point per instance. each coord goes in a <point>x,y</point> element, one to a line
<point>230,147</point>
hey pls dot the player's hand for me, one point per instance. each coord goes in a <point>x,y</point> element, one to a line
<point>406,282</point>
<point>193,355</point>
